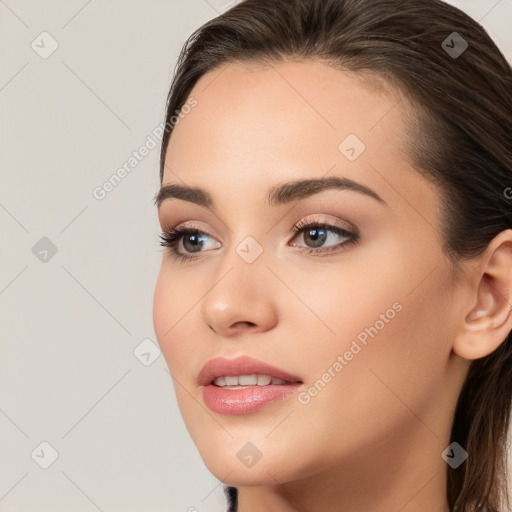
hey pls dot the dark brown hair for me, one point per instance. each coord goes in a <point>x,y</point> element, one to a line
<point>462,141</point>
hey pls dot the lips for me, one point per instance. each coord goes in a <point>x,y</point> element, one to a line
<point>243,365</point>
<point>228,385</point>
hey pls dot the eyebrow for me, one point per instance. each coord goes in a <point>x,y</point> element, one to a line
<point>277,195</point>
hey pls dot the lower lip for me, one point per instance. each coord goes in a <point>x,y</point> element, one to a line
<point>245,400</point>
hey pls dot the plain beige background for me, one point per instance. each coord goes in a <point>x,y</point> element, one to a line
<point>80,371</point>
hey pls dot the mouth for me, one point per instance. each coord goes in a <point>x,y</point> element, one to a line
<point>243,371</point>
<point>244,381</point>
<point>244,385</point>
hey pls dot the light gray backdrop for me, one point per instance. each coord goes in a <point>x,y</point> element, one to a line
<point>88,418</point>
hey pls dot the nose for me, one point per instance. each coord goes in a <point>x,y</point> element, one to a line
<point>240,299</point>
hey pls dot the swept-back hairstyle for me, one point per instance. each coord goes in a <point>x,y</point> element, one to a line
<point>461,139</point>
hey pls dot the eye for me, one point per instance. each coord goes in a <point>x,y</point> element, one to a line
<point>317,233</point>
<point>191,239</point>
<point>189,242</point>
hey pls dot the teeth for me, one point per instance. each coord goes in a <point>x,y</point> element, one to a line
<point>247,380</point>
<point>220,381</point>
<point>263,380</point>
<point>231,381</point>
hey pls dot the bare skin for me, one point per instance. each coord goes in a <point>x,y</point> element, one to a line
<point>371,439</point>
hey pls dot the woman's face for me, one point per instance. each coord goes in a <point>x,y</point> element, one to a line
<point>357,306</point>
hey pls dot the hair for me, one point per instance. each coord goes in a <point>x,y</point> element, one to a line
<point>462,141</point>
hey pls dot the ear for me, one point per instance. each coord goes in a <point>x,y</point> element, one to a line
<point>488,320</point>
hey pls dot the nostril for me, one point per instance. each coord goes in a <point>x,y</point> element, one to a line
<point>250,324</point>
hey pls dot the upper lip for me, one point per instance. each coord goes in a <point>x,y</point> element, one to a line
<point>242,365</point>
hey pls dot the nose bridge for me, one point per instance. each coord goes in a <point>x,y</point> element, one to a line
<point>240,295</point>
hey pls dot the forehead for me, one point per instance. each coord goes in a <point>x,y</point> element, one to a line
<point>264,123</point>
<point>315,93</point>
<point>282,105</point>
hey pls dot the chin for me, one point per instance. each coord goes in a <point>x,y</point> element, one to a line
<point>259,474</point>
<point>238,462</point>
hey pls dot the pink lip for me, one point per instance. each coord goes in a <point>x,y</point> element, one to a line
<point>242,365</point>
<point>244,400</point>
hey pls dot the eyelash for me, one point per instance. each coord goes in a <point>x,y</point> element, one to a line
<point>170,238</point>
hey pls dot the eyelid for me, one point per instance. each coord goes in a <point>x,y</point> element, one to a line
<point>297,226</point>
<point>323,220</point>
<point>190,225</point>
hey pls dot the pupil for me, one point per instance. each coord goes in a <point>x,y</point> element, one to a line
<point>194,240</point>
<point>317,235</point>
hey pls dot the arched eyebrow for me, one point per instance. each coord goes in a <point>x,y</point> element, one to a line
<point>278,195</point>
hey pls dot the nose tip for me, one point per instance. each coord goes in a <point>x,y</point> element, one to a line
<point>233,309</point>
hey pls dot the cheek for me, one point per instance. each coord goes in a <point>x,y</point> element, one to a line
<point>174,319</point>
<point>163,306</point>
<point>389,323</point>
<point>171,305</point>
<point>394,346</point>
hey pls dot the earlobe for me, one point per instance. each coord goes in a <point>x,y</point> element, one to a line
<point>489,321</point>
